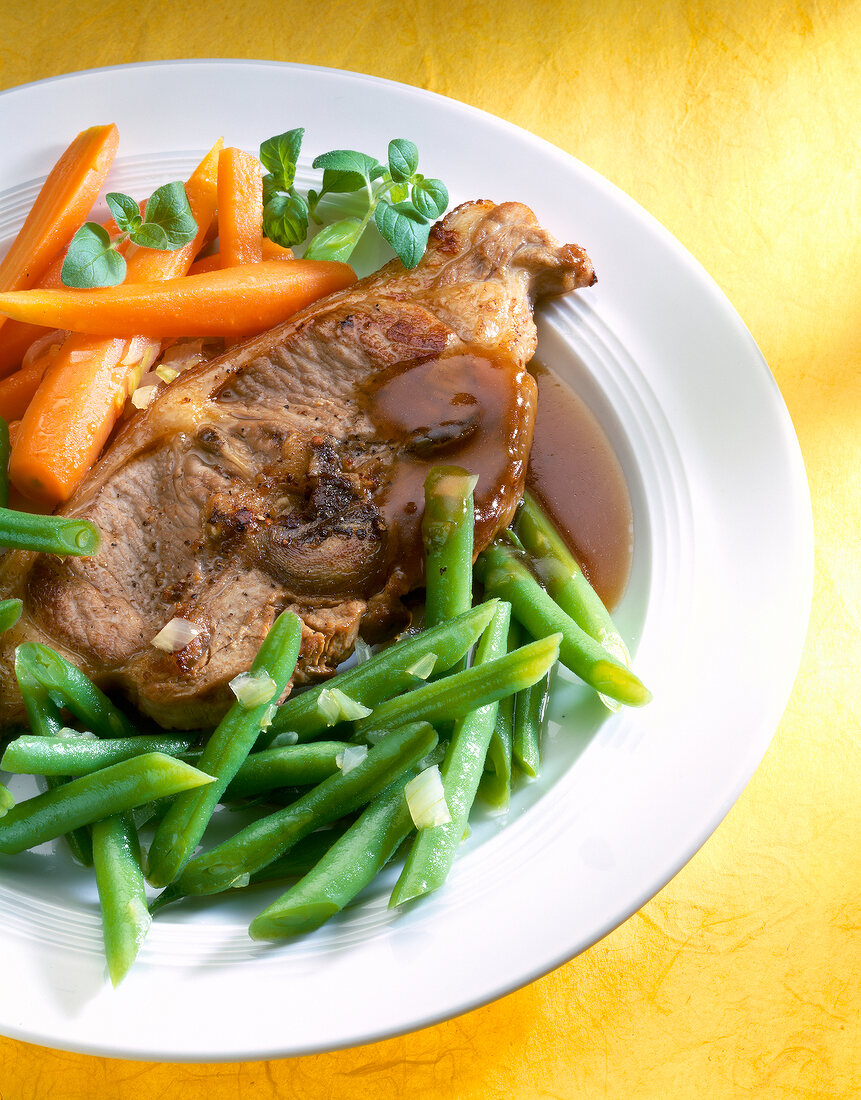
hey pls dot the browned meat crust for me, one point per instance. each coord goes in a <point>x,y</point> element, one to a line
<point>288,473</point>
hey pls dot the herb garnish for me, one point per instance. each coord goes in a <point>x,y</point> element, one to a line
<point>401,201</point>
<point>93,260</point>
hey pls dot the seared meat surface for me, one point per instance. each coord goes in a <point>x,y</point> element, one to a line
<point>288,473</point>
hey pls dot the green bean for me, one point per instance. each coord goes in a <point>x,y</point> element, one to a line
<point>185,822</point>
<point>304,855</point>
<point>504,575</point>
<point>48,534</point>
<point>6,800</point>
<point>561,574</point>
<point>433,850</point>
<point>495,785</point>
<point>5,451</point>
<point>458,694</point>
<point>346,869</point>
<point>385,674</point>
<point>447,529</point>
<point>68,755</point>
<point>10,613</point>
<point>122,893</point>
<point>93,797</point>
<point>529,707</point>
<point>45,720</point>
<point>270,837</point>
<point>287,766</point>
<point>63,681</point>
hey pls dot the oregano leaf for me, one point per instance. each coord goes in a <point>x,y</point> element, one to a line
<point>168,208</point>
<point>430,198</point>
<point>92,260</point>
<point>403,159</point>
<point>125,210</point>
<point>279,155</point>
<point>355,170</point>
<point>405,230</point>
<point>285,219</point>
<point>150,235</point>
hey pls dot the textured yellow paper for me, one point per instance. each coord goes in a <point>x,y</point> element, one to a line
<point>737,126</point>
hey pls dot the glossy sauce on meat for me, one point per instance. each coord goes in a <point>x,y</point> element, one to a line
<point>578,479</point>
<point>468,410</point>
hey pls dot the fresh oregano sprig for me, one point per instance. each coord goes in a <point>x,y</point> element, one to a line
<point>93,258</point>
<point>400,201</point>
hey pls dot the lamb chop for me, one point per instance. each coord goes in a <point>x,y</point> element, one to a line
<point>289,472</point>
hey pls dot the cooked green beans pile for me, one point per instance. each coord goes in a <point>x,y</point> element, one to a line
<point>386,758</point>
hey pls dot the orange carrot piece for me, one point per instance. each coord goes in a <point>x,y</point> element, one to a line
<point>61,206</point>
<point>66,417</point>
<point>150,265</point>
<point>273,251</point>
<point>205,263</point>
<point>240,208</point>
<point>17,391</point>
<point>82,395</point>
<point>15,336</point>
<point>232,302</point>
<point>269,249</point>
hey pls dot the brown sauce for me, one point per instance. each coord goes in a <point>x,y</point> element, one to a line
<point>475,411</point>
<point>467,410</point>
<point>576,476</point>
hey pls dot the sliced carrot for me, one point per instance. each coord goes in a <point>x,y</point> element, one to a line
<point>232,302</point>
<point>273,251</point>
<point>60,207</point>
<point>15,336</point>
<point>269,249</point>
<point>149,265</point>
<point>18,390</point>
<point>71,399</point>
<point>83,393</point>
<point>240,208</point>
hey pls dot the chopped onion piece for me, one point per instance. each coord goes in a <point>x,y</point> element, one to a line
<point>426,799</point>
<point>7,801</point>
<point>351,757</point>
<point>68,732</point>
<point>241,880</point>
<point>142,396</point>
<point>336,706</point>
<point>288,737</point>
<point>176,635</point>
<point>423,667</point>
<point>253,688</point>
<point>268,715</point>
<point>362,650</point>
<point>166,374</point>
<point>52,341</point>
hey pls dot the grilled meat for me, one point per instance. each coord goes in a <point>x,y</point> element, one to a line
<point>288,473</point>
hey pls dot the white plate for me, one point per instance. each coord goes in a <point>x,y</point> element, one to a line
<point>716,610</point>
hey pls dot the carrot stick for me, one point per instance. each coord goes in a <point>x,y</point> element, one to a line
<point>16,391</point>
<point>16,336</point>
<point>149,265</point>
<point>232,302</point>
<point>60,207</point>
<point>269,249</point>
<point>240,208</point>
<point>83,393</point>
<point>66,417</point>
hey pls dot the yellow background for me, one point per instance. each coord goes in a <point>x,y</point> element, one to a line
<point>737,125</point>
